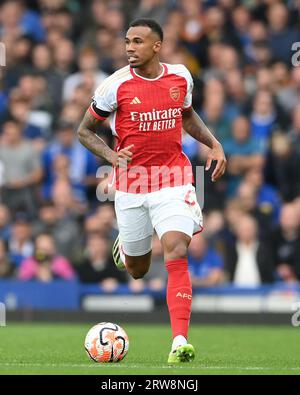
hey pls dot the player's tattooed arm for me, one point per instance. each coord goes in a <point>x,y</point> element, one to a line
<point>196,128</point>
<point>87,135</point>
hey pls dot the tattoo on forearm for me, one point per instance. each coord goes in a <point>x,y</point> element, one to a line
<point>195,127</point>
<point>87,134</point>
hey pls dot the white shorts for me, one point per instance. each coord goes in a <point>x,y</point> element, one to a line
<point>169,209</point>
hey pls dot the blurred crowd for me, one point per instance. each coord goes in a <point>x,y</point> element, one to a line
<point>247,90</point>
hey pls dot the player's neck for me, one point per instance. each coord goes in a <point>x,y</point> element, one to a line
<point>150,71</point>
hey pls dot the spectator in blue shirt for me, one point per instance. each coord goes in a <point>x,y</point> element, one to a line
<point>20,245</point>
<point>205,264</point>
<point>83,164</point>
<point>263,118</point>
<point>16,20</point>
<point>20,110</point>
<point>242,153</point>
<point>281,35</point>
<point>267,197</point>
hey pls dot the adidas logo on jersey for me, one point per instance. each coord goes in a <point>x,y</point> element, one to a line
<point>136,100</point>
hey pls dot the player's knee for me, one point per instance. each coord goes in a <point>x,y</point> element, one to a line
<point>138,274</point>
<point>137,267</point>
<point>176,250</point>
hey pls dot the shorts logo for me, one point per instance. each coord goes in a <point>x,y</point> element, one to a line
<point>175,93</point>
<point>183,296</point>
<point>190,200</point>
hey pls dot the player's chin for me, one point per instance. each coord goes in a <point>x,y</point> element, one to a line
<point>134,65</point>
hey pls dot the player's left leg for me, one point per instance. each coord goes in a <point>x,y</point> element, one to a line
<point>179,292</point>
<point>176,216</point>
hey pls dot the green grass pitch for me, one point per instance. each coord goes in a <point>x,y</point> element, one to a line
<point>58,349</point>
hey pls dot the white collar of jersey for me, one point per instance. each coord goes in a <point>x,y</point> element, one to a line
<point>151,79</point>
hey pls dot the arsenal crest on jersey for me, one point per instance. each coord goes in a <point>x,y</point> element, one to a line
<point>175,93</point>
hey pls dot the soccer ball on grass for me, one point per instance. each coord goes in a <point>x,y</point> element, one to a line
<point>106,342</point>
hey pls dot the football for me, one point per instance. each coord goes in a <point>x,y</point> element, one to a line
<point>106,342</point>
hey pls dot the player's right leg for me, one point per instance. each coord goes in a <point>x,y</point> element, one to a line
<point>132,248</point>
<point>135,257</point>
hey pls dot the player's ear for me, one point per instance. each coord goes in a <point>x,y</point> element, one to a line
<point>157,46</point>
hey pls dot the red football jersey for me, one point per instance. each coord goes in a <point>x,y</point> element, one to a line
<point>148,113</point>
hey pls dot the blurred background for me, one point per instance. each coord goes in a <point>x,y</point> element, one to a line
<point>56,237</point>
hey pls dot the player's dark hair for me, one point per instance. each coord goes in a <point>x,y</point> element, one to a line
<point>154,26</point>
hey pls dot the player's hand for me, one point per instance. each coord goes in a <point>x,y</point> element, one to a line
<point>216,153</point>
<point>123,157</point>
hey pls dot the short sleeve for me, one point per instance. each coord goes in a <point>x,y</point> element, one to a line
<point>190,85</point>
<point>104,101</point>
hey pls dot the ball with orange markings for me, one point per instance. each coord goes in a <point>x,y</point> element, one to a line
<point>106,342</point>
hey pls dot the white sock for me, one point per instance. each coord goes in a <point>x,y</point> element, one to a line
<point>178,341</point>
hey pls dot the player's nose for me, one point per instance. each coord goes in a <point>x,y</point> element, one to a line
<point>130,49</point>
